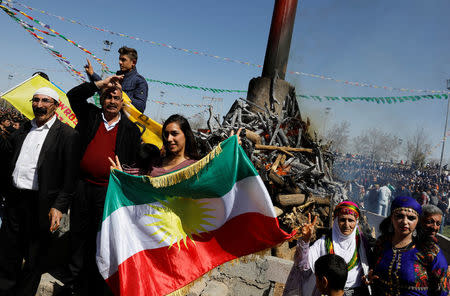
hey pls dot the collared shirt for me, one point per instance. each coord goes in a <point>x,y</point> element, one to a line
<point>112,125</point>
<point>25,175</point>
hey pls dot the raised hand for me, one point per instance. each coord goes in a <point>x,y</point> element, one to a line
<point>88,68</point>
<point>237,134</point>
<point>111,81</point>
<point>370,278</point>
<point>115,164</point>
<point>307,229</point>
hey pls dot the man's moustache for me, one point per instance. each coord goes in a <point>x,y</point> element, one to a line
<point>39,111</point>
<point>111,105</point>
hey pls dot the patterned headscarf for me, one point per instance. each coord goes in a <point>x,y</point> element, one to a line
<point>347,208</point>
<point>406,203</point>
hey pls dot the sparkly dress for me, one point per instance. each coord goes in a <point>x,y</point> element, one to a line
<point>410,271</point>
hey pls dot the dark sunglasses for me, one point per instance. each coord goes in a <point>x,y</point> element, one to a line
<point>44,100</point>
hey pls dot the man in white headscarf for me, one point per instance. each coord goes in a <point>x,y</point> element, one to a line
<point>345,240</point>
<point>43,166</point>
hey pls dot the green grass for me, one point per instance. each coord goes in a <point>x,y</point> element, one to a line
<point>446,231</point>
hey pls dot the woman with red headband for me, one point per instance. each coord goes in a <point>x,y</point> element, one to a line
<point>345,240</point>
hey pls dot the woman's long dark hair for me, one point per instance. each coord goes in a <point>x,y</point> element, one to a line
<point>191,145</point>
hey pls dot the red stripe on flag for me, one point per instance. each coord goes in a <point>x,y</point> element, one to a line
<point>164,270</point>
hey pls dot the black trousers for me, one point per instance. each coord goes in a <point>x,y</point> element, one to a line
<point>85,219</point>
<point>22,238</point>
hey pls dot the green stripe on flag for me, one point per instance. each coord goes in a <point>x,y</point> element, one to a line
<point>213,181</point>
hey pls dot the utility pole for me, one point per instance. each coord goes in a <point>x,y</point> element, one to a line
<point>445,131</point>
<point>160,107</point>
<point>106,49</point>
<point>325,121</point>
<point>10,77</point>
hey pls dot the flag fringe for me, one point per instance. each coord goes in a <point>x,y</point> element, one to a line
<point>244,259</point>
<point>185,173</point>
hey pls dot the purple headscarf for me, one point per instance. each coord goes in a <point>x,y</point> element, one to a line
<point>406,202</point>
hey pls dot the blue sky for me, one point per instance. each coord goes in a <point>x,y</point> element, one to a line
<point>394,43</point>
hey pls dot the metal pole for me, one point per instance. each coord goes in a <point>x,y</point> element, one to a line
<point>445,131</point>
<point>279,43</point>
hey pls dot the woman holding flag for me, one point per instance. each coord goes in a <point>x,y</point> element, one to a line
<point>179,148</point>
<point>344,239</point>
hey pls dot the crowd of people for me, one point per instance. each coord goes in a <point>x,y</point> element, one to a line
<point>52,168</point>
<point>10,121</point>
<point>374,184</point>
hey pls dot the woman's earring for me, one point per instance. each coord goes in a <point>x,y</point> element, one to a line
<point>414,233</point>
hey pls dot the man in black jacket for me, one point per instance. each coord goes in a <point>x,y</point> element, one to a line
<point>104,132</point>
<point>43,168</point>
<point>133,84</point>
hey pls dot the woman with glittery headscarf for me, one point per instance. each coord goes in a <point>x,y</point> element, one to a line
<point>345,240</point>
<point>407,263</point>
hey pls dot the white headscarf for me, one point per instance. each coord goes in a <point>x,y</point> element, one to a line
<point>344,246</point>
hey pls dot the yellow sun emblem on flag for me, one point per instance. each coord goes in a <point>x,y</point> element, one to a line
<point>180,218</point>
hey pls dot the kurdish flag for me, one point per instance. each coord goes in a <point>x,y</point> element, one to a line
<point>160,234</point>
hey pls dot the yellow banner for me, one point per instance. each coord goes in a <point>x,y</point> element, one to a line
<point>150,129</point>
<point>21,95</point>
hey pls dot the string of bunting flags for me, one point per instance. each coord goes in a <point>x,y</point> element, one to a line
<point>64,61</point>
<point>181,105</point>
<point>198,115</point>
<point>100,61</point>
<point>378,100</point>
<point>45,44</point>
<point>197,52</point>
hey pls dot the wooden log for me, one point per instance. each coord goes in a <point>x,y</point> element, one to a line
<point>283,148</point>
<point>276,179</point>
<point>291,199</point>
<point>287,152</point>
<point>276,163</point>
<point>252,136</point>
<point>316,201</point>
<point>323,212</point>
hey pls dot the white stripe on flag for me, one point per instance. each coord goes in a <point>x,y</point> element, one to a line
<point>124,233</point>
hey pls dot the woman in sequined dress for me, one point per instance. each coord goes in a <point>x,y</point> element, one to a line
<point>405,263</point>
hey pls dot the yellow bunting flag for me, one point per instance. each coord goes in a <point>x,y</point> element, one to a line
<point>20,97</point>
<point>150,129</point>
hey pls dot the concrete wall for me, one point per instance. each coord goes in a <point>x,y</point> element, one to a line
<point>257,278</point>
<point>264,276</point>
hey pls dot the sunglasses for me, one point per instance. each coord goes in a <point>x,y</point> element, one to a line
<point>43,101</point>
